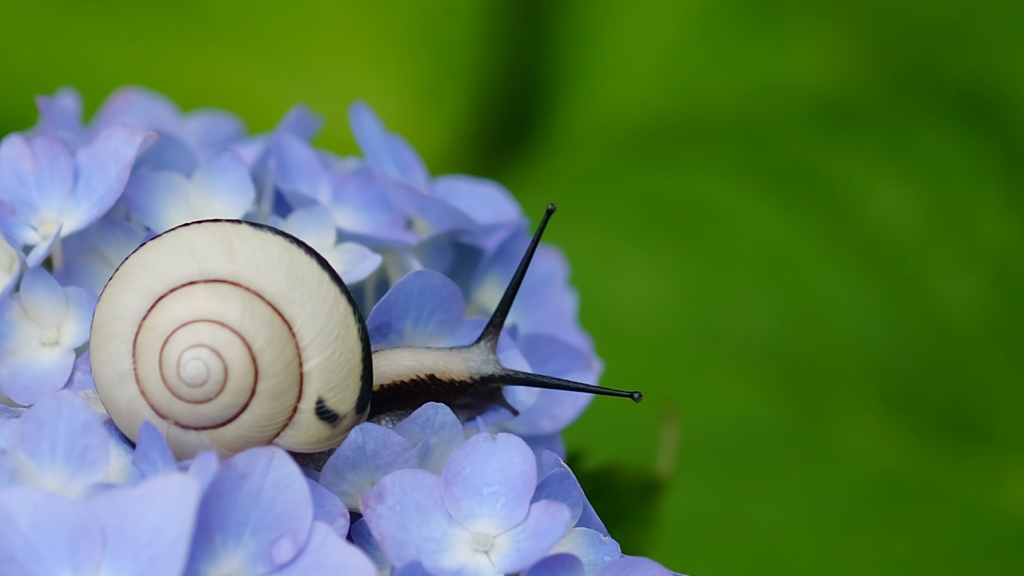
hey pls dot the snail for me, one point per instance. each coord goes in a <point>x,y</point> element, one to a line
<point>228,334</point>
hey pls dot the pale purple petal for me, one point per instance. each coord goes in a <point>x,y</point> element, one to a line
<point>487,202</point>
<point>557,565</point>
<point>159,198</point>
<point>313,225</point>
<point>353,262</point>
<point>327,554</point>
<point>634,566</point>
<point>328,508</point>
<point>488,482</point>
<point>300,121</point>
<point>53,174</point>
<point>430,215</point>
<point>152,454</point>
<point>551,463</point>
<point>221,187</point>
<point>207,130</point>
<point>409,520</point>
<point>61,115</point>
<point>147,528</point>
<point>561,486</point>
<point>359,205</point>
<point>363,537</point>
<point>594,549</point>
<point>369,453</point>
<point>554,409</point>
<point>387,153</point>
<point>74,331</point>
<point>532,539</point>
<point>42,534</point>
<point>102,166</point>
<point>256,514</point>
<point>43,298</point>
<point>434,432</point>
<point>81,374</point>
<point>92,255</point>
<point>138,107</point>
<point>204,468</point>
<point>64,445</point>
<point>552,443</point>
<point>43,249</point>
<point>298,170</point>
<point>411,569</point>
<point>29,374</point>
<point>422,309</point>
<point>10,266</point>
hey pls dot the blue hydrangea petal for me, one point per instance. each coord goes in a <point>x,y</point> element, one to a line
<point>10,266</point>
<point>43,249</point>
<point>561,486</point>
<point>29,373</point>
<point>298,170</point>
<point>434,432</point>
<point>363,537</point>
<point>204,468</point>
<point>53,174</point>
<point>487,202</point>
<point>74,331</point>
<point>255,515</point>
<point>61,115</point>
<point>551,443</point>
<point>152,454</point>
<point>353,262</point>
<point>44,300</point>
<point>409,519</point>
<point>221,187</point>
<point>411,569</point>
<point>168,152</point>
<point>421,309</point>
<point>545,303</point>
<point>430,215</point>
<point>313,225</point>
<point>43,534</point>
<point>488,482</point>
<point>300,121</point>
<point>554,409</point>
<point>328,508</point>
<point>208,130</point>
<point>64,445</point>
<point>634,566</point>
<point>551,463</point>
<point>147,528</point>
<point>557,565</point>
<point>594,549</point>
<point>387,153</point>
<point>81,374</point>
<point>103,166</point>
<point>138,107</point>
<point>327,554</point>
<point>532,539</point>
<point>369,453</point>
<point>360,206</point>
<point>159,198</point>
<point>92,255</point>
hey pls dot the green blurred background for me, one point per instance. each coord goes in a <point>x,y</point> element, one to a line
<point>796,225</point>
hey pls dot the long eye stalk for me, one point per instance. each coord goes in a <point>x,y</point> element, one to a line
<point>492,331</point>
<point>469,379</point>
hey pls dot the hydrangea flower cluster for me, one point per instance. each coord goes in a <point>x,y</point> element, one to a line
<point>425,257</point>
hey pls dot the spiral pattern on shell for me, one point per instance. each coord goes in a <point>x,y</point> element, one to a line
<point>229,335</point>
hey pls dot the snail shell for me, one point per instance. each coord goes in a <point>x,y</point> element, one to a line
<point>227,335</point>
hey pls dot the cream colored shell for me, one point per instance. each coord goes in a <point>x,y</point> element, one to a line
<point>228,335</point>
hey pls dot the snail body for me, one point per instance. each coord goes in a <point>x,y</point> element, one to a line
<point>228,334</point>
